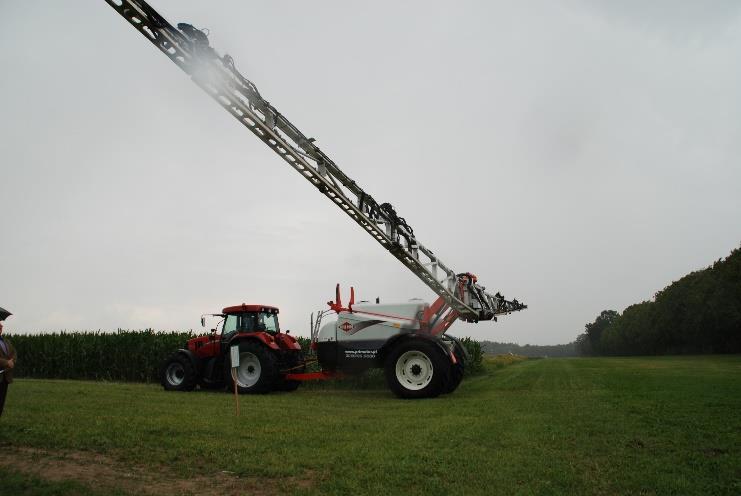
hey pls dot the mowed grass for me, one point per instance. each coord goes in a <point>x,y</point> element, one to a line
<point>668,425</point>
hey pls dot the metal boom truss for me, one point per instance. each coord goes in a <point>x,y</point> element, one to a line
<point>189,49</point>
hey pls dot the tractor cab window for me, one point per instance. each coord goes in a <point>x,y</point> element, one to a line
<point>247,322</point>
<point>242,322</point>
<point>230,326</point>
<point>268,322</point>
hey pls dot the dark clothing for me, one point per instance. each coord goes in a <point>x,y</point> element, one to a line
<point>3,393</point>
<point>7,352</point>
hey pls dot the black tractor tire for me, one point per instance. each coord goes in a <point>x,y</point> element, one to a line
<point>178,374</point>
<point>212,375</point>
<point>295,365</point>
<point>417,368</point>
<point>457,371</point>
<point>257,372</point>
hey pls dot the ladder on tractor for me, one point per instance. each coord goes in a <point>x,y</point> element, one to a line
<point>460,294</point>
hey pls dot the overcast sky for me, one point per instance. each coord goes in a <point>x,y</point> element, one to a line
<point>578,156</point>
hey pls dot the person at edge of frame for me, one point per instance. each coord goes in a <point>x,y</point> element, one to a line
<point>7,364</point>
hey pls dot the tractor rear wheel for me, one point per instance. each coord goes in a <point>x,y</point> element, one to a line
<point>178,374</point>
<point>417,369</point>
<point>295,364</point>
<point>257,372</point>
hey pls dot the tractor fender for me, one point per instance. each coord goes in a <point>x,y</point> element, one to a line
<point>262,338</point>
<point>401,338</point>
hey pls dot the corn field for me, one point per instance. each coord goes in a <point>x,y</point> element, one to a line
<point>136,356</point>
<point>118,356</point>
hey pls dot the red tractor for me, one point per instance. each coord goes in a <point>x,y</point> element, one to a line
<point>266,354</point>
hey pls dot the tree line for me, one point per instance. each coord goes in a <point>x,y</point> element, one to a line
<point>699,313</point>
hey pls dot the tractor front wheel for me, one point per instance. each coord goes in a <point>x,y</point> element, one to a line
<point>417,369</point>
<point>178,374</point>
<point>257,371</point>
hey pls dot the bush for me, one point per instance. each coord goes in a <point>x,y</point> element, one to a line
<point>475,363</point>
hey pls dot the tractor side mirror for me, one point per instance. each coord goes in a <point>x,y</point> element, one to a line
<point>203,321</point>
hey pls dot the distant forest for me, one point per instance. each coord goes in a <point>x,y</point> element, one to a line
<point>700,313</point>
<point>530,350</point>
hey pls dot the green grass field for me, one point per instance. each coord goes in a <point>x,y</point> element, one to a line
<point>669,425</point>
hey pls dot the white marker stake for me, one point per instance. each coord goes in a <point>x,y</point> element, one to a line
<point>235,365</point>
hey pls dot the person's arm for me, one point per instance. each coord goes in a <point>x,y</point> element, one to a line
<point>8,362</point>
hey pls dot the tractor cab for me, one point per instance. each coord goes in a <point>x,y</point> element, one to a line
<point>249,318</point>
<point>238,322</point>
<point>258,322</point>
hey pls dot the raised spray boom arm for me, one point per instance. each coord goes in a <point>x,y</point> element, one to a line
<point>189,49</point>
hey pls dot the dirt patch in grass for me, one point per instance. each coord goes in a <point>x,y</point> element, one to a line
<point>100,472</point>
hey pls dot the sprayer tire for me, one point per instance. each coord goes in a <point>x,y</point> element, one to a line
<point>416,368</point>
<point>457,371</point>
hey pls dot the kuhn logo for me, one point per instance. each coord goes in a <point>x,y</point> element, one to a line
<point>346,326</point>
